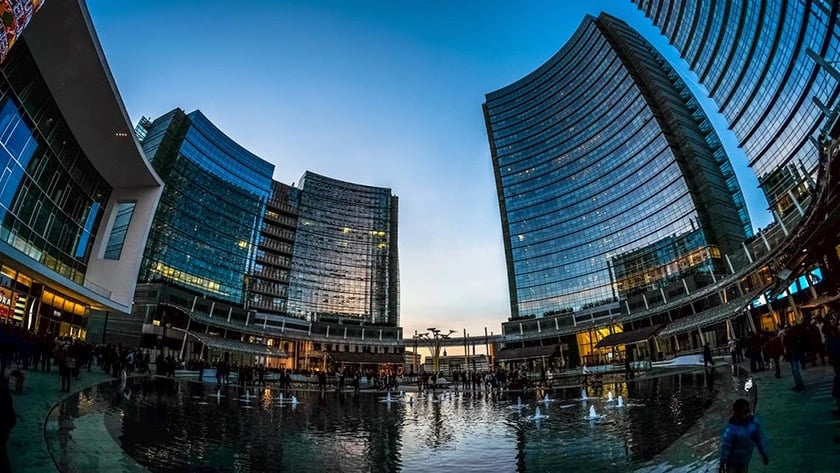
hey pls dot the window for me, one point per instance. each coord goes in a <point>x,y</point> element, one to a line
<point>125,210</point>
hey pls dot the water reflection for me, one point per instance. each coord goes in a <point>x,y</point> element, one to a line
<point>172,426</point>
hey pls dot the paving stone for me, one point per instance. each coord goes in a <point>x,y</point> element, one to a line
<point>27,447</point>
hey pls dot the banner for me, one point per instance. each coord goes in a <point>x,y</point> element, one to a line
<point>15,15</point>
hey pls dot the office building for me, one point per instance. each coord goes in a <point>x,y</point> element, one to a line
<point>76,194</point>
<point>611,190</point>
<point>345,265</point>
<point>240,265</point>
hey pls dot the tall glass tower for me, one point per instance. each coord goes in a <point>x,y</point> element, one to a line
<point>772,68</point>
<point>345,261</point>
<point>611,180</point>
<point>206,229</point>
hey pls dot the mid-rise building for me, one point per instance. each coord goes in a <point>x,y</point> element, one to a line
<point>772,68</point>
<point>611,191</point>
<point>237,263</point>
<point>76,194</point>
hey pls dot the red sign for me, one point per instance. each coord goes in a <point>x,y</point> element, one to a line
<point>7,303</point>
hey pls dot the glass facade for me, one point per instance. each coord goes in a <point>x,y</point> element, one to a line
<point>206,229</point>
<point>51,196</point>
<point>345,253</point>
<point>609,187</point>
<point>758,62</point>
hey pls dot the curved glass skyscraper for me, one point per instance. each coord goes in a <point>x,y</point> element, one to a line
<point>345,254</point>
<point>611,180</point>
<point>772,68</point>
<point>241,262</point>
<point>207,224</point>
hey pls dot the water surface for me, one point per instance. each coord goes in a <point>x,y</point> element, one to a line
<point>164,425</point>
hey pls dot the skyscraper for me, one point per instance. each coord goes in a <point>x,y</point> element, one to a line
<point>345,256</point>
<point>76,194</point>
<point>772,68</point>
<point>207,224</point>
<point>612,183</point>
<point>240,263</point>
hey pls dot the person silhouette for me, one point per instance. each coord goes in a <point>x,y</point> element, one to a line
<point>742,433</point>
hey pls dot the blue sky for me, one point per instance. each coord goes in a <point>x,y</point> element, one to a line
<point>382,93</point>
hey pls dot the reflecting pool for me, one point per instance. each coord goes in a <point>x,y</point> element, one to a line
<point>164,425</point>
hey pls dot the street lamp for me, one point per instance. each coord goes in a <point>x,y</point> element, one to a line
<point>435,339</point>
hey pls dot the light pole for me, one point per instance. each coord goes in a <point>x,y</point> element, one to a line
<point>435,342</point>
<point>414,367</point>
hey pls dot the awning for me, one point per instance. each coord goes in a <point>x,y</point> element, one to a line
<point>525,353</point>
<point>224,344</point>
<point>820,301</point>
<point>629,338</point>
<point>712,316</point>
<point>366,358</point>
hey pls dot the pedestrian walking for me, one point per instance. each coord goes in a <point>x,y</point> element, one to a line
<point>742,434</point>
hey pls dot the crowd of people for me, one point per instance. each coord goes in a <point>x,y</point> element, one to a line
<point>812,341</point>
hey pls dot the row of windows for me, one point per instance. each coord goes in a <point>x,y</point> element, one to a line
<point>516,97</point>
<point>571,190</point>
<point>576,169</point>
<point>570,106</point>
<point>550,254</point>
<point>576,141</point>
<point>592,224</point>
<point>212,149</point>
<point>50,194</point>
<point>340,262</point>
<point>577,290</point>
<point>562,94</point>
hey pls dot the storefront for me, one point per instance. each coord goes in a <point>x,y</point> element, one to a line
<point>28,304</point>
<point>61,316</point>
<point>16,302</point>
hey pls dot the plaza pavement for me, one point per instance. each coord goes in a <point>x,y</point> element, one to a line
<point>27,447</point>
<point>799,425</point>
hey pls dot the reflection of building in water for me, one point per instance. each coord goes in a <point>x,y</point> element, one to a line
<point>620,182</point>
<point>76,194</point>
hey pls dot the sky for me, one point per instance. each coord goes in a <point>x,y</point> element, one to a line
<point>380,93</point>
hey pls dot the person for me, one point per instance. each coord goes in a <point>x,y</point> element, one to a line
<point>741,435</point>
<point>707,356</point>
<point>775,349</point>
<point>796,350</point>
<point>7,421</point>
<point>628,367</point>
<point>832,343</point>
<point>732,350</point>
<point>19,377</point>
